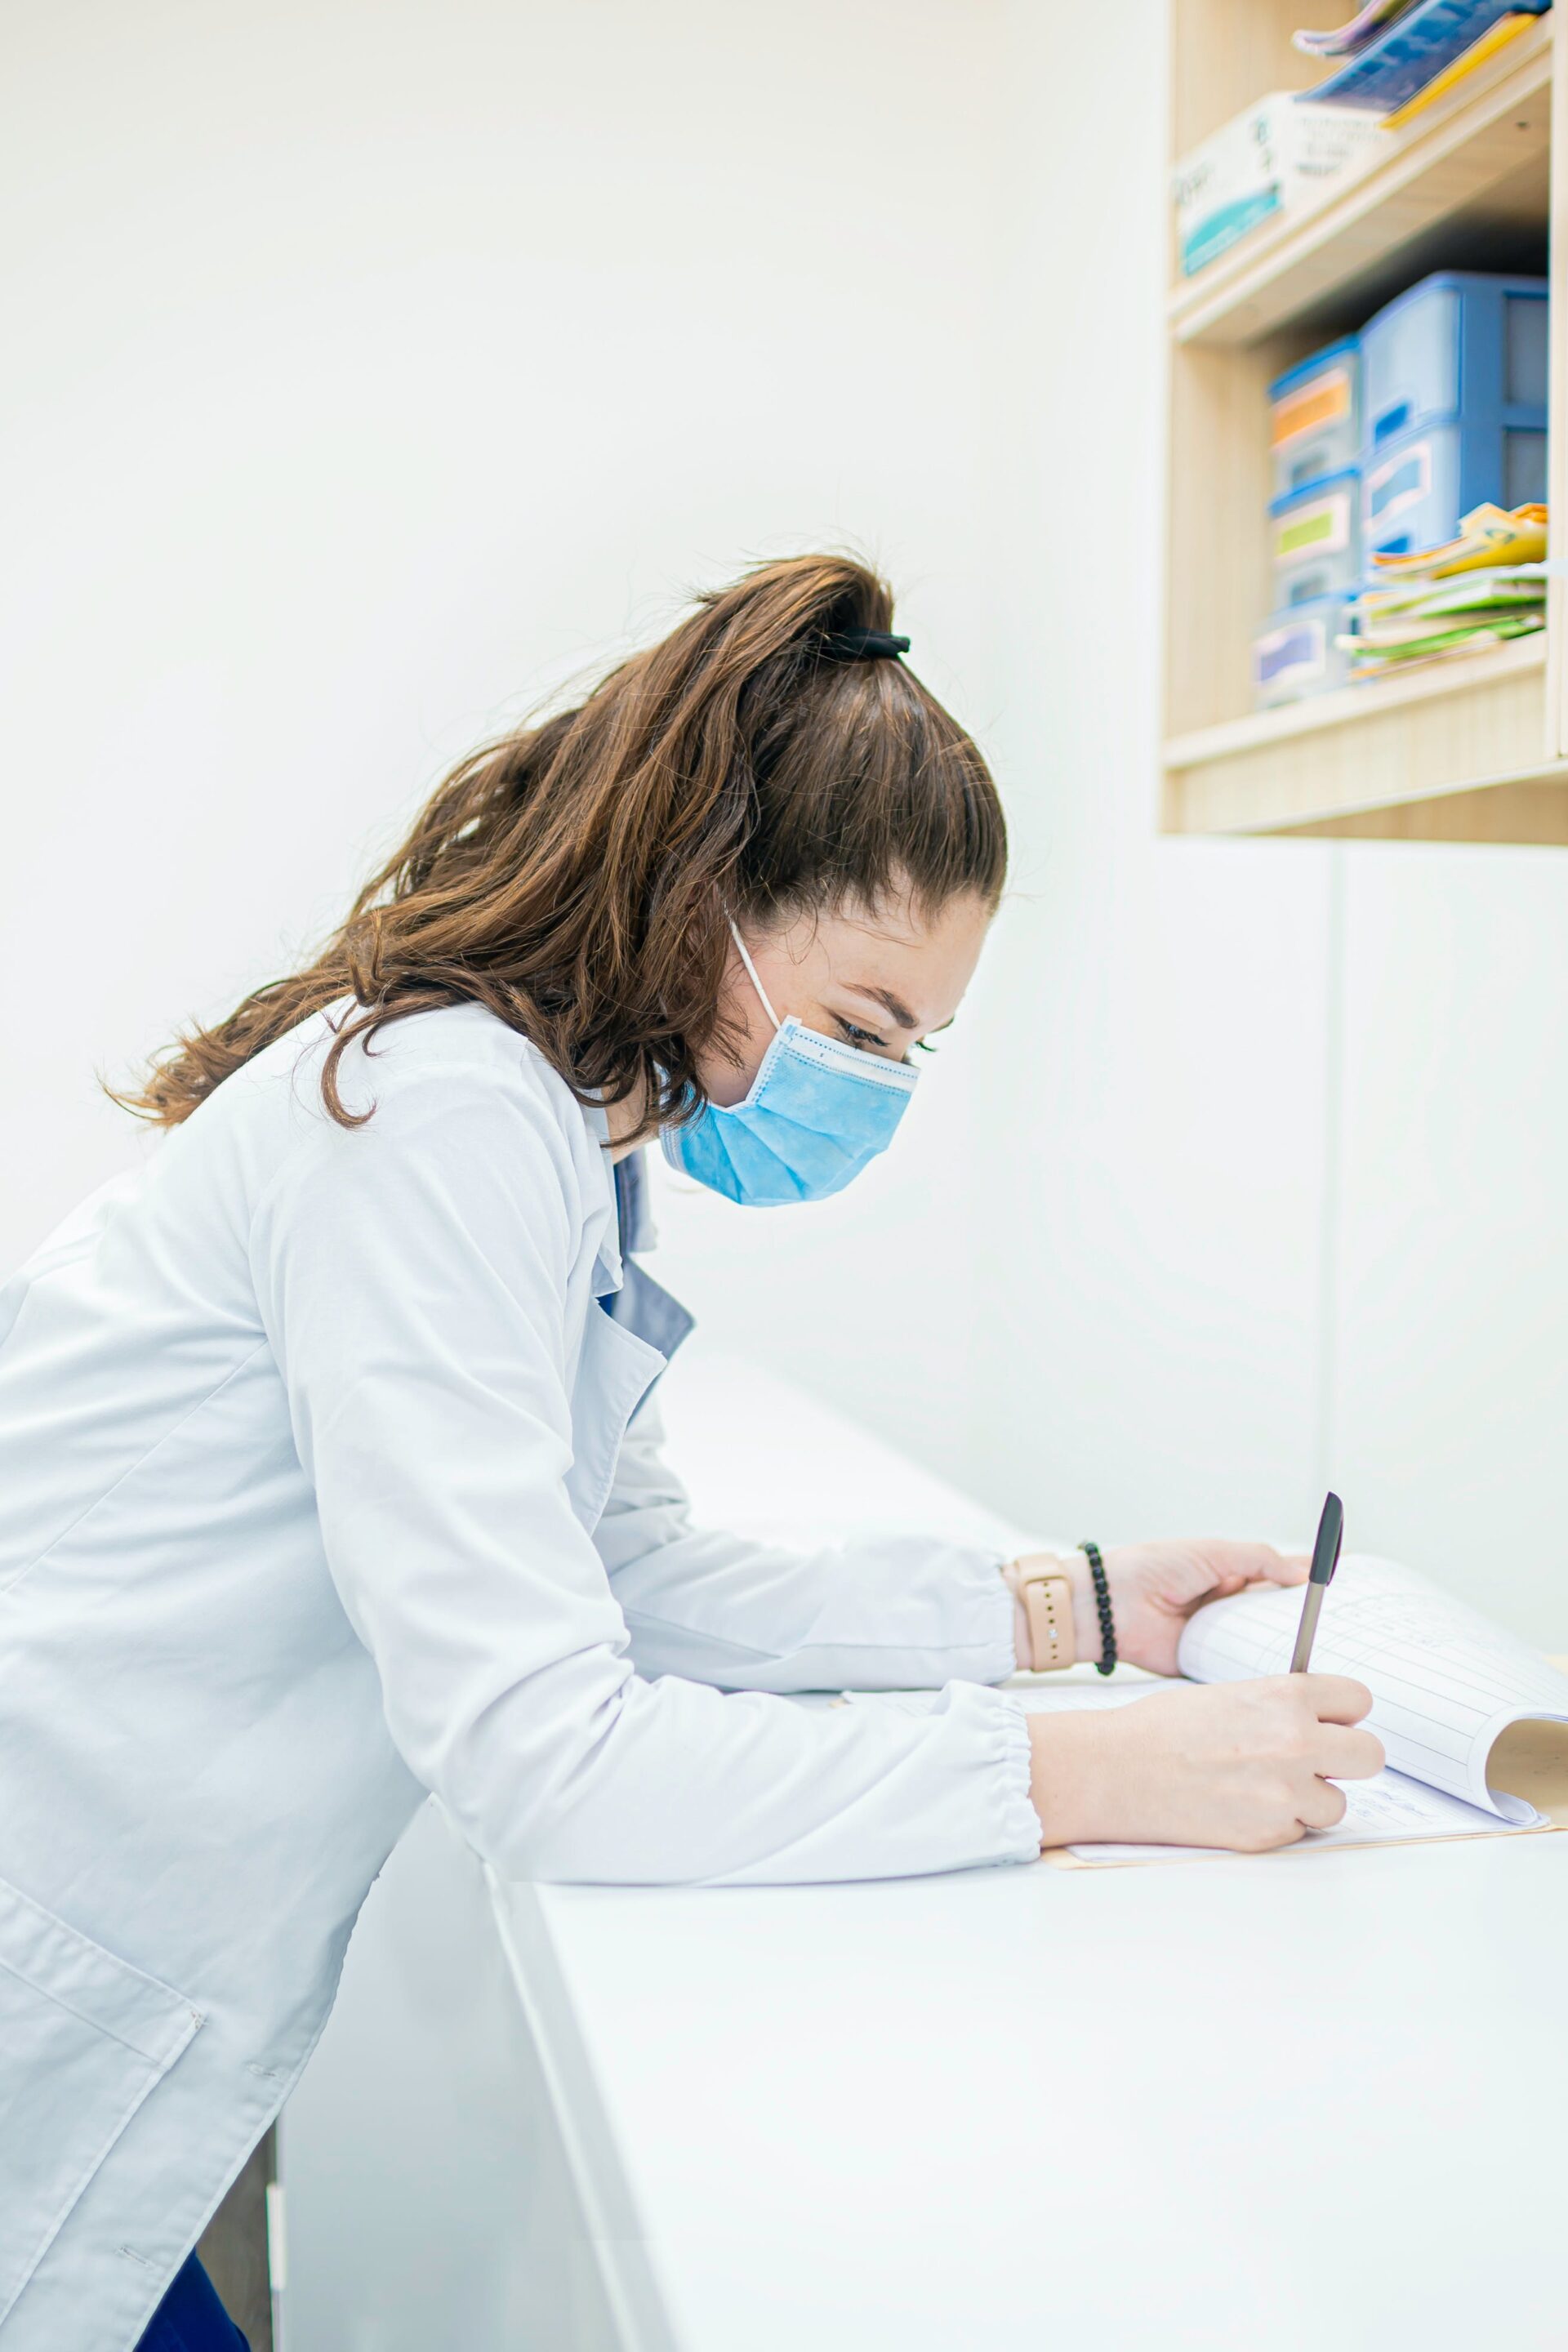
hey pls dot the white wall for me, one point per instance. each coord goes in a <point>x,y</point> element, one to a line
<point>383,365</point>
<point>1450,1389</point>
<point>387,364</point>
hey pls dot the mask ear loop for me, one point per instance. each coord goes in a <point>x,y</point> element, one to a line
<point>751,971</point>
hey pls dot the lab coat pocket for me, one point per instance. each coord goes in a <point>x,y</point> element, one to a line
<point>83,2039</point>
<point>615,1372</point>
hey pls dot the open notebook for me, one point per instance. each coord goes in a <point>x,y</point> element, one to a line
<point>1466,1713</point>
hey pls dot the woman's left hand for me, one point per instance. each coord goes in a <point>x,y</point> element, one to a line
<point>1156,1587</point>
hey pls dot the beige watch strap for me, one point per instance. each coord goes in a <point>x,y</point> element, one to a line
<point>1041,1586</point>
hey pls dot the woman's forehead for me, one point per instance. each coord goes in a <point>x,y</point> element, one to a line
<point>916,965</point>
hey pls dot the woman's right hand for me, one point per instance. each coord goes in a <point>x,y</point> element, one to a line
<point>1246,1765</point>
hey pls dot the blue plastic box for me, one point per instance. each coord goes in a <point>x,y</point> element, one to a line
<point>1414,490</point>
<point>1460,344</point>
<point>1314,540</point>
<point>1295,653</point>
<point>1314,416</point>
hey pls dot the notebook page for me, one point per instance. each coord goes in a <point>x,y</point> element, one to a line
<point>1445,1681</point>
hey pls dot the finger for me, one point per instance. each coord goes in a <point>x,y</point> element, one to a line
<point>1247,1563</point>
<point>1279,1567</point>
<point>1337,1698</point>
<point>1342,1755</point>
<point>1227,1586</point>
<point>1277,1837</point>
<point>1222,1588</point>
<point>1321,1806</point>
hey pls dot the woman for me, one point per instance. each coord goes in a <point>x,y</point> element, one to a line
<point>317,1488</point>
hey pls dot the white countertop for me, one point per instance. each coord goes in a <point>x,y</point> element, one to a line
<point>1251,2105</point>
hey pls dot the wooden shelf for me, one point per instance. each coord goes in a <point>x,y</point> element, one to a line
<point>1467,751</point>
<point>1467,186</point>
<point>1450,753</point>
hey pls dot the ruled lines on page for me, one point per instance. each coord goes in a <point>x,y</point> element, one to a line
<point>1445,1681</point>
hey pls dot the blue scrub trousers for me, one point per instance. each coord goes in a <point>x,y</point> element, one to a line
<point>191,2319</point>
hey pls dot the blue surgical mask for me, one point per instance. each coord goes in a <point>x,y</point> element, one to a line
<point>817,1112</point>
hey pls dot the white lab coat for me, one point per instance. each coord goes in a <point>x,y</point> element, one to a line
<point>315,1496</point>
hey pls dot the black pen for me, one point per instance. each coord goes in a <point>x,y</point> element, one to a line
<point>1325,1560</point>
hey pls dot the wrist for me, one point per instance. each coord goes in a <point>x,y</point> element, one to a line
<point>1045,1792</point>
<point>1068,1773</point>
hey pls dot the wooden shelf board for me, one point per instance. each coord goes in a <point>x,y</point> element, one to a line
<point>1352,705</point>
<point>1458,753</point>
<point>1471,173</point>
<point>1506,812</point>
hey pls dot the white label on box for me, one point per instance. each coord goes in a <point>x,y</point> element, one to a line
<point>1322,528</point>
<point>1293,656</point>
<point>1403,481</point>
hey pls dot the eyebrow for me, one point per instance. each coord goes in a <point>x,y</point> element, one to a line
<point>893,1004</point>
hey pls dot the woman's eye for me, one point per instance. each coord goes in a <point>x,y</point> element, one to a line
<point>865,1039</point>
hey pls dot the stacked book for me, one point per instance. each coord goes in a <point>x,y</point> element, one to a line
<point>1396,56</point>
<point>1440,603</point>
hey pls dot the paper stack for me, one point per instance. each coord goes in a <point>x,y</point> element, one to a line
<point>1440,602</point>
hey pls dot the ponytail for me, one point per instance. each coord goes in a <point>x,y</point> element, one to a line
<point>576,878</point>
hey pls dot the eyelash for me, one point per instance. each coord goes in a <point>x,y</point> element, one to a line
<point>868,1037</point>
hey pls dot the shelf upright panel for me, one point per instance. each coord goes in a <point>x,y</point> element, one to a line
<point>1224,53</point>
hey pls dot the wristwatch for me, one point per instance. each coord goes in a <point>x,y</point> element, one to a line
<point>1041,1587</point>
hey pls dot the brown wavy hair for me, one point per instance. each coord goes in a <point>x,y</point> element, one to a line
<point>576,876</point>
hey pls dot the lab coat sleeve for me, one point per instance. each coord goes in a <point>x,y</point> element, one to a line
<point>412,1277</point>
<point>884,1612</point>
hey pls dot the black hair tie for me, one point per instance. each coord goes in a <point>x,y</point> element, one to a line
<point>865,645</point>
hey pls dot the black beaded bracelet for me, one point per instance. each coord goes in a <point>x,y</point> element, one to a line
<point>1106,1664</point>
